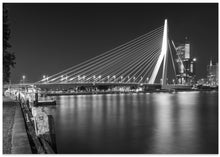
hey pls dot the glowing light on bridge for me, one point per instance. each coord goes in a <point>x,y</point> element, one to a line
<point>71,78</point>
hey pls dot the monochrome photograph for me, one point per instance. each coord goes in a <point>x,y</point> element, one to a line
<point>110,78</point>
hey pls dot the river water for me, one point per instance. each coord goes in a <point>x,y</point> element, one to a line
<point>183,122</point>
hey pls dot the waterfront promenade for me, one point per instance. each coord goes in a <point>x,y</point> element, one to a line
<point>15,139</point>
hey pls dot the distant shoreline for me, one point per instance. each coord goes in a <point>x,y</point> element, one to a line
<point>119,92</point>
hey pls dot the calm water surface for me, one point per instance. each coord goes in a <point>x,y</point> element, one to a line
<point>184,122</point>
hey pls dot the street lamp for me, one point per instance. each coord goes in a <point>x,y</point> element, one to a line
<point>93,78</point>
<point>23,78</point>
<point>66,78</point>
<point>173,81</point>
<point>78,78</point>
<point>44,78</point>
<point>114,77</point>
<point>141,79</point>
<point>194,59</point>
<point>108,77</point>
<point>100,76</point>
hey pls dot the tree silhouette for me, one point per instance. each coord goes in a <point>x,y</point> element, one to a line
<point>8,57</point>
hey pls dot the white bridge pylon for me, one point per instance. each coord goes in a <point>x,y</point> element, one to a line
<point>162,57</point>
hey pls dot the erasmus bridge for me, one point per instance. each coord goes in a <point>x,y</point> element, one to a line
<point>132,63</point>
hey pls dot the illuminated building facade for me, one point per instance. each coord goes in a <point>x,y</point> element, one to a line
<point>185,64</point>
<point>212,74</point>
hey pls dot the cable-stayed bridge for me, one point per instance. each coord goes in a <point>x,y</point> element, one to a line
<point>133,63</point>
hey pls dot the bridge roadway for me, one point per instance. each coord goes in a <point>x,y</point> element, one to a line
<point>67,85</point>
<point>78,84</point>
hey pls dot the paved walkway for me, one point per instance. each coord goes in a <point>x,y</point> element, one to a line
<point>20,142</point>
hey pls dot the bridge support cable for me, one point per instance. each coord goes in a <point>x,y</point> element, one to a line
<point>137,75</point>
<point>108,61</point>
<point>118,62</point>
<point>124,63</point>
<point>144,62</point>
<point>171,54</point>
<point>147,65</point>
<point>135,61</point>
<point>107,54</point>
<point>103,67</point>
<point>131,72</point>
<point>121,68</point>
<point>148,68</point>
<point>136,70</point>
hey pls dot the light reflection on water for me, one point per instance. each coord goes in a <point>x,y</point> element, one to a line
<point>184,122</point>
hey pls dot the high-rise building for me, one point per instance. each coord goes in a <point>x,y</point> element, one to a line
<point>212,74</point>
<point>185,64</point>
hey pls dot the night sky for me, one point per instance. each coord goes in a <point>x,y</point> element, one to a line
<point>48,38</point>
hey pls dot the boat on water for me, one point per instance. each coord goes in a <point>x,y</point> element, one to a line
<point>46,102</point>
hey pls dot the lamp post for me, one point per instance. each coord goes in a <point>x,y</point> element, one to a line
<point>23,78</point>
<point>66,78</point>
<point>84,78</point>
<point>108,77</point>
<point>141,79</point>
<point>44,76</point>
<point>173,81</point>
<point>100,76</point>
<point>114,77</point>
<point>78,78</point>
<point>93,78</point>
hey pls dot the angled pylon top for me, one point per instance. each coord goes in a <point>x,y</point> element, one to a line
<point>162,55</point>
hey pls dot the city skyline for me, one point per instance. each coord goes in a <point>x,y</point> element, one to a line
<point>48,38</point>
